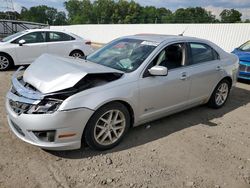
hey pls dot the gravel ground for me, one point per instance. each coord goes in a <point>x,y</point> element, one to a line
<point>200,147</point>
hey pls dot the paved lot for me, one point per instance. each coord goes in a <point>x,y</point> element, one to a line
<point>200,147</point>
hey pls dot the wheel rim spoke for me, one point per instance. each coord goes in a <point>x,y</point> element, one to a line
<point>118,121</point>
<point>115,133</point>
<point>104,120</point>
<point>104,137</point>
<point>101,133</point>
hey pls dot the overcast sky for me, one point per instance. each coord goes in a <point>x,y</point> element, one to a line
<point>216,6</point>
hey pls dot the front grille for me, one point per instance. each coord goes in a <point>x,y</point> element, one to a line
<point>19,107</point>
<point>17,128</point>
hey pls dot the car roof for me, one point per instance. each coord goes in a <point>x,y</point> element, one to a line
<point>54,30</point>
<point>162,38</point>
<point>45,29</point>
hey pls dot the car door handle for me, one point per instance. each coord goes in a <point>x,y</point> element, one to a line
<point>219,68</point>
<point>184,76</point>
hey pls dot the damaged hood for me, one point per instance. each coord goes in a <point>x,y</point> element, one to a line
<point>51,73</point>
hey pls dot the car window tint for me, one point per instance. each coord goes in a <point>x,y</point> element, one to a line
<point>201,53</point>
<point>35,37</point>
<point>171,57</point>
<point>57,36</point>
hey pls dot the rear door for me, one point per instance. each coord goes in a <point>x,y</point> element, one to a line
<point>60,43</point>
<point>205,71</point>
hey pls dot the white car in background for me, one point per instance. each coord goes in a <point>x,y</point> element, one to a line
<point>24,47</point>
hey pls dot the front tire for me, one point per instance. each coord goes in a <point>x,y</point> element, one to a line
<point>107,127</point>
<point>5,62</point>
<point>220,94</point>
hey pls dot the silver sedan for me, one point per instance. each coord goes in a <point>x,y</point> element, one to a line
<point>59,103</point>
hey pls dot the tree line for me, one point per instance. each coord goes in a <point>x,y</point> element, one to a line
<point>121,12</point>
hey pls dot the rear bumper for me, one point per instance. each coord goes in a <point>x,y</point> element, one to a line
<point>63,122</point>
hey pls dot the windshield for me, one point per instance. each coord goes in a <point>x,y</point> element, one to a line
<point>6,39</point>
<point>124,54</point>
<point>245,46</point>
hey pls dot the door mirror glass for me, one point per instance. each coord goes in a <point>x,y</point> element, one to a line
<point>158,71</point>
<point>21,42</point>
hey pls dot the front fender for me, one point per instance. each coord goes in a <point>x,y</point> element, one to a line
<point>96,97</point>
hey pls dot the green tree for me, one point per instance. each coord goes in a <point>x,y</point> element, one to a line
<point>247,21</point>
<point>120,11</point>
<point>230,16</point>
<point>163,15</point>
<point>193,15</point>
<point>79,12</point>
<point>60,18</point>
<point>103,11</point>
<point>43,14</point>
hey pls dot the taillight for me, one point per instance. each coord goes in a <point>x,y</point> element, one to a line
<point>88,42</point>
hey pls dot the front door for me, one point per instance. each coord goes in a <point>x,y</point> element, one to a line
<point>160,95</point>
<point>34,47</point>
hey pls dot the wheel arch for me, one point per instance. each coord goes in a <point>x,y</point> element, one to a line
<point>8,55</point>
<point>229,79</point>
<point>127,105</point>
<point>76,50</point>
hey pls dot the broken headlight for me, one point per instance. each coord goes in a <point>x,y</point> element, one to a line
<point>45,107</point>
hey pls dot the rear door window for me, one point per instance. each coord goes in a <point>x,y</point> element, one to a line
<point>58,36</point>
<point>200,53</point>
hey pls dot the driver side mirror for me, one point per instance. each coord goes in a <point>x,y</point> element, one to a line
<point>21,42</point>
<point>158,71</point>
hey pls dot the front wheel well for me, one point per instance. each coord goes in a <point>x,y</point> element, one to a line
<point>128,106</point>
<point>9,56</point>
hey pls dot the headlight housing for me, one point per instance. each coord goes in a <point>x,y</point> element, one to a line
<point>46,106</point>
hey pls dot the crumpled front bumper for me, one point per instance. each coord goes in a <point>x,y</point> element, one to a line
<point>66,127</point>
<point>63,122</point>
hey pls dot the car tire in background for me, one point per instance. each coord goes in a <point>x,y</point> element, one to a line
<point>107,127</point>
<point>220,94</point>
<point>77,54</point>
<point>6,62</point>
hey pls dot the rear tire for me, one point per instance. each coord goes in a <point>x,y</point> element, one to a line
<point>77,54</point>
<point>5,62</point>
<point>220,94</point>
<point>107,127</point>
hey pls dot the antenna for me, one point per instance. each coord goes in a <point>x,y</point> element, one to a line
<point>7,7</point>
<point>184,31</point>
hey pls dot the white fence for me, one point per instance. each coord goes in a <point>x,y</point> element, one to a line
<point>227,36</point>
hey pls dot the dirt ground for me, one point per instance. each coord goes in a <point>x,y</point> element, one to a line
<point>200,147</point>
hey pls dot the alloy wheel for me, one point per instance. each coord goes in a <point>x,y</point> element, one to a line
<point>4,63</point>
<point>109,127</point>
<point>221,94</point>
